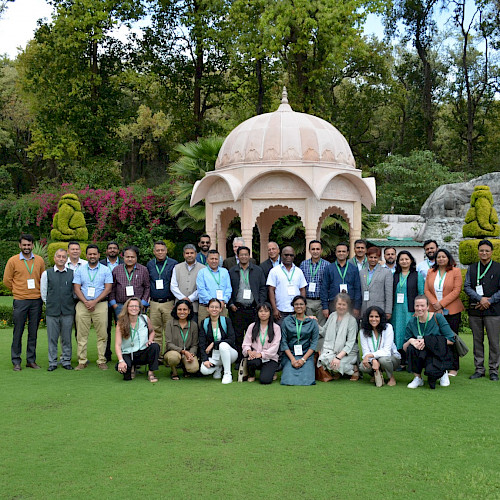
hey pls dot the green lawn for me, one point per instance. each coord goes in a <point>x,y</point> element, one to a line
<point>90,435</point>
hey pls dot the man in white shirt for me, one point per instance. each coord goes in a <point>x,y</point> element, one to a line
<point>74,261</point>
<point>430,249</point>
<point>390,259</point>
<point>285,282</point>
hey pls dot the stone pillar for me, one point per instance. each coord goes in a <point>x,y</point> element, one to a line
<point>210,228</point>
<point>310,236</point>
<point>264,240</point>
<point>355,229</point>
<point>247,223</point>
<point>221,238</point>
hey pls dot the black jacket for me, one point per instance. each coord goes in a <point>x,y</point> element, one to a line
<point>266,266</point>
<point>256,279</point>
<point>231,262</point>
<point>206,337</point>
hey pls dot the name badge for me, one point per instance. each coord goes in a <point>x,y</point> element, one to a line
<point>129,291</point>
<point>291,290</point>
<point>366,295</point>
<point>312,287</point>
<point>439,295</point>
<point>219,295</point>
<point>400,298</point>
<point>31,284</point>
<point>479,290</point>
<point>91,291</point>
<point>247,294</point>
<point>419,337</point>
<point>343,288</point>
<point>215,355</point>
<point>159,284</point>
<point>297,350</point>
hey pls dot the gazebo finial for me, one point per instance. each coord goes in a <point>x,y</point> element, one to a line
<point>284,96</point>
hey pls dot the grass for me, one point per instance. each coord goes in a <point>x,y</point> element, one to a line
<point>89,434</point>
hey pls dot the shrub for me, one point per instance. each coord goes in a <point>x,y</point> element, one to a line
<point>69,222</point>
<point>481,219</point>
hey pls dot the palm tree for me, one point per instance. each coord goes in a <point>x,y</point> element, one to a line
<point>198,158</point>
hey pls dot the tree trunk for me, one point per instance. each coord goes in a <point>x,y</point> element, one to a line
<point>259,108</point>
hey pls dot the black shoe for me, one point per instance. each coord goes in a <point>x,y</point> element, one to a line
<point>494,377</point>
<point>51,368</point>
<point>67,367</point>
<point>476,375</point>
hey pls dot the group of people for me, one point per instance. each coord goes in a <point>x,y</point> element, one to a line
<point>205,315</point>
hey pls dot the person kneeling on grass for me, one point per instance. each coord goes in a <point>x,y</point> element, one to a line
<point>339,352</point>
<point>261,345</point>
<point>379,350</point>
<point>181,335</point>
<point>428,336</point>
<point>217,343</point>
<point>299,338</point>
<point>134,345</point>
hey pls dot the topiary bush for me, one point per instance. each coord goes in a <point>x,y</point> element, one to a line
<point>481,220</point>
<point>69,222</point>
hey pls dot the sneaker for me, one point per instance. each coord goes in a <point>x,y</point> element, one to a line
<point>218,372</point>
<point>379,379</point>
<point>416,382</point>
<point>227,378</point>
<point>444,381</point>
<point>102,366</point>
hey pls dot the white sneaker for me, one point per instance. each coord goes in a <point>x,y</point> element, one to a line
<point>227,378</point>
<point>444,381</point>
<point>218,372</point>
<point>416,382</point>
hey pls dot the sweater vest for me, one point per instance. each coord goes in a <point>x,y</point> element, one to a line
<point>59,293</point>
<point>186,279</point>
<point>490,286</point>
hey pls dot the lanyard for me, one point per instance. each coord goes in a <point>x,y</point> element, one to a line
<point>479,276</point>
<point>345,270</point>
<point>286,274</point>
<point>368,277</point>
<point>314,273</point>
<point>203,259</point>
<point>32,265</point>
<point>378,341</point>
<point>441,280</point>
<point>162,269</point>
<point>216,332</point>
<point>133,331</point>
<point>126,272</point>
<point>263,339</point>
<point>299,329</point>
<point>425,327</point>
<point>245,276</point>
<point>213,276</point>
<point>402,283</point>
<point>88,271</point>
<point>184,337</point>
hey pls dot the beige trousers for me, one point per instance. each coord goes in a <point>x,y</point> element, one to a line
<point>84,318</point>
<point>160,314</point>
<point>173,358</point>
<point>314,309</point>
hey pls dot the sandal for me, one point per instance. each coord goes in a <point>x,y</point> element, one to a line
<point>251,379</point>
<point>355,376</point>
<point>174,377</point>
<point>152,378</point>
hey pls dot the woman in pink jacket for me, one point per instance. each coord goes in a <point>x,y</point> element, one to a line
<point>261,344</point>
<point>442,287</point>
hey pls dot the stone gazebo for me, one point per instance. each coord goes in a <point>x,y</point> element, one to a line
<point>283,163</point>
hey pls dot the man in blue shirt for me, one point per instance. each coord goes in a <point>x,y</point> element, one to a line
<point>341,276</point>
<point>313,270</point>
<point>213,282</point>
<point>92,283</point>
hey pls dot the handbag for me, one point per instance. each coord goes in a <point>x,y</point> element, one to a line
<point>460,346</point>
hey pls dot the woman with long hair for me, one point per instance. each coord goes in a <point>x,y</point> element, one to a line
<point>134,341</point>
<point>378,348</point>
<point>261,345</point>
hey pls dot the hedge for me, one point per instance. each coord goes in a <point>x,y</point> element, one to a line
<point>468,253</point>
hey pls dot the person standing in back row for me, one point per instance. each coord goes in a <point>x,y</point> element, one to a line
<point>22,276</point>
<point>430,249</point>
<point>359,260</point>
<point>482,285</point>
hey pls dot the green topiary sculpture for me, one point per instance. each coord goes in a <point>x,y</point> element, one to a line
<point>481,219</point>
<point>69,222</point>
<point>481,222</point>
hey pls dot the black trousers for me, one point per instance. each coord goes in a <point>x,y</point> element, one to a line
<point>267,370</point>
<point>31,310</point>
<point>241,319</point>
<point>454,322</point>
<point>111,317</point>
<point>148,356</point>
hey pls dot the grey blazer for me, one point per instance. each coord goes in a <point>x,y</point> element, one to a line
<point>380,288</point>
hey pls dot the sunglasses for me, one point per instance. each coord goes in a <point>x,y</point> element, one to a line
<point>288,255</point>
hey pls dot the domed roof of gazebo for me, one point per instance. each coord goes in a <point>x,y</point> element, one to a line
<point>285,138</point>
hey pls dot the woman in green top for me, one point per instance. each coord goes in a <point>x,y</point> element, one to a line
<point>428,336</point>
<point>134,341</point>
